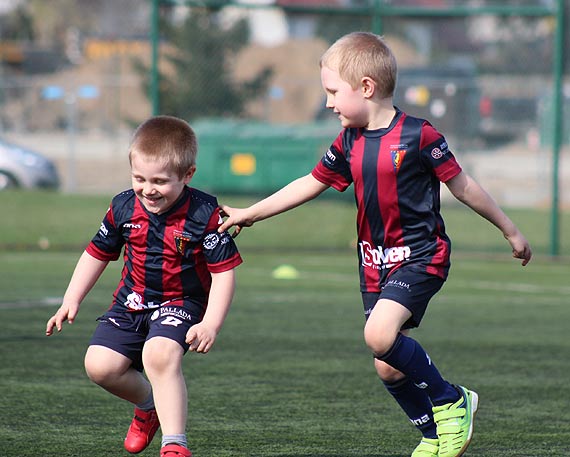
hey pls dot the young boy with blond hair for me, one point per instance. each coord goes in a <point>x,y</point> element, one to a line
<point>395,163</point>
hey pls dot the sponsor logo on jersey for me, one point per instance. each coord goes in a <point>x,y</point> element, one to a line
<point>399,284</point>
<point>181,239</point>
<point>438,152</point>
<point>128,225</point>
<point>211,241</point>
<point>175,311</point>
<point>135,302</point>
<point>173,316</point>
<point>329,158</point>
<point>103,230</point>
<point>379,258</point>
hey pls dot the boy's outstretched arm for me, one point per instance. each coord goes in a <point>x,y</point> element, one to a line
<point>292,195</point>
<point>467,191</point>
<point>85,275</point>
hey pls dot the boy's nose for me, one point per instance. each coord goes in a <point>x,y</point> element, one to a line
<point>148,188</point>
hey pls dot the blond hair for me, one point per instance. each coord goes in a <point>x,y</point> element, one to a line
<point>363,54</point>
<point>168,139</point>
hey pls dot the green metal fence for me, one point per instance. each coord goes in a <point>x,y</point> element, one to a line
<point>252,161</point>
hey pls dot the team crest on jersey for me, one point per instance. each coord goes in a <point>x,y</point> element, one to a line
<point>181,239</point>
<point>397,158</point>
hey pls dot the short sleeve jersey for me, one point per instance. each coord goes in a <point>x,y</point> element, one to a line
<point>396,174</point>
<point>169,257</point>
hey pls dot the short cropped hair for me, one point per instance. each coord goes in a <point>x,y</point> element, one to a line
<point>166,138</point>
<point>363,54</point>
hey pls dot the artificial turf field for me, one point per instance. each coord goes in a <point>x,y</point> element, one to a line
<point>290,374</point>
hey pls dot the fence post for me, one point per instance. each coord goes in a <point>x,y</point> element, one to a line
<point>557,107</point>
<point>154,37</point>
<point>377,24</point>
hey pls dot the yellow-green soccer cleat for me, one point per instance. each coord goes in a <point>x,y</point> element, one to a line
<point>455,423</point>
<point>427,448</point>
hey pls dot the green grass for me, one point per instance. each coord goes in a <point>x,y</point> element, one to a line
<point>289,374</point>
<point>69,221</point>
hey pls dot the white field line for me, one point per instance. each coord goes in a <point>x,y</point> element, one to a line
<point>47,301</point>
<point>512,287</point>
<point>472,284</point>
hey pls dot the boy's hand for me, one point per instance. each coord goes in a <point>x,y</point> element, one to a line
<point>201,337</point>
<point>521,247</point>
<point>234,217</point>
<point>65,312</point>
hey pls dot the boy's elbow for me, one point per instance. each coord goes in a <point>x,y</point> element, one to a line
<point>460,195</point>
<point>458,192</point>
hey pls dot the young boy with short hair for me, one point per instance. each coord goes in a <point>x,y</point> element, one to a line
<point>176,287</point>
<point>395,163</point>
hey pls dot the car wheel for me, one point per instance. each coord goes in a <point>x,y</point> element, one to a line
<point>7,181</point>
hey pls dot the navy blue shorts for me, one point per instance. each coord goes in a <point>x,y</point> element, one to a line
<point>127,332</point>
<point>411,288</point>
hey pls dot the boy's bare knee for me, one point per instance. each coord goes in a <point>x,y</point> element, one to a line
<point>387,373</point>
<point>99,374</point>
<point>161,355</point>
<point>104,366</point>
<point>379,342</point>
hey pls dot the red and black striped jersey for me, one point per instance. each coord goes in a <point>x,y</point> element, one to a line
<point>169,257</point>
<point>396,174</point>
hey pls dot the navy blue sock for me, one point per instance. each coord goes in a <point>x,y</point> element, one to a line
<point>406,355</point>
<point>415,403</point>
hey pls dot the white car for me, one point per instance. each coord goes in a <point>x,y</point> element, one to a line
<point>25,169</point>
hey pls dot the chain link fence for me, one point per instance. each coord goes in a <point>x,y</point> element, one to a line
<point>246,75</point>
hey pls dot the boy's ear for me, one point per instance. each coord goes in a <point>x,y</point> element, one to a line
<point>189,174</point>
<point>368,87</point>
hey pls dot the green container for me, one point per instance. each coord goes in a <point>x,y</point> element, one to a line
<point>240,157</point>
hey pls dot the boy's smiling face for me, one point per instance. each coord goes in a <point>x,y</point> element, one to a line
<point>155,184</point>
<point>350,104</point>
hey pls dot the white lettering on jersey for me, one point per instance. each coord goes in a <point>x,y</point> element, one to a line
<point>379,258</point>
<point>104,231</point>
<point>135,302</point>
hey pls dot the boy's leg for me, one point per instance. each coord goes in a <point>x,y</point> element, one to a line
<point>114,357</point>
<point>413,401</point>
<point>407,356</point>
<point>383,336</point>
<point>114,373</point>
<point>162,359</point>
<point>114,361</point>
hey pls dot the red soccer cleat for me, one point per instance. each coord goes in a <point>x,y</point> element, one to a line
<point>175,450</point>
<point>141,431</point>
